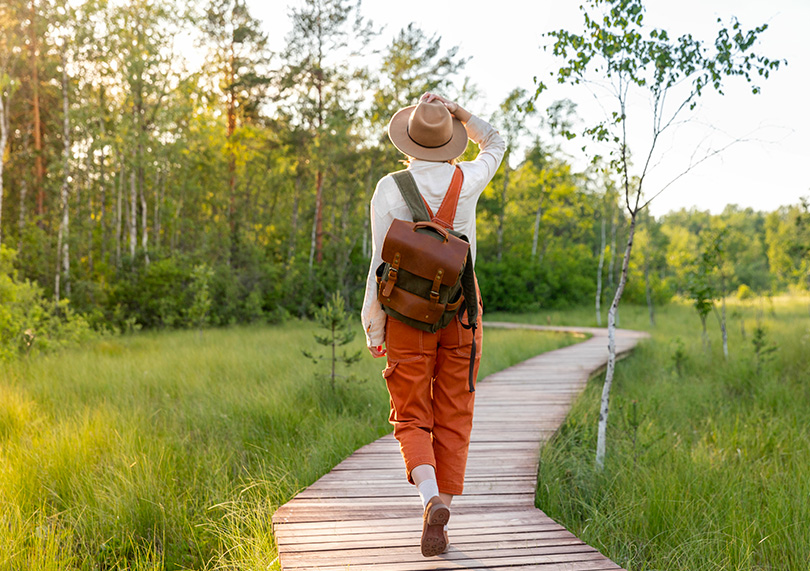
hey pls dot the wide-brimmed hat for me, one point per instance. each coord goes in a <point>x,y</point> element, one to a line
<point>428,131</point>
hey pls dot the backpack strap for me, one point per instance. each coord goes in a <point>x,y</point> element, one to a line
<point>413,198</point>
<point>447,211</point>
<point>417,204</point>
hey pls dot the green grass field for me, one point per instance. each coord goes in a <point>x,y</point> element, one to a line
<point>707,465</point>
<point>167,450</point>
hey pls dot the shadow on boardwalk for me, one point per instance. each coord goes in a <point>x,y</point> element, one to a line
<point>363,514</point>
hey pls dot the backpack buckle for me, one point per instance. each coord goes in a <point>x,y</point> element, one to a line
<point>434,290</point>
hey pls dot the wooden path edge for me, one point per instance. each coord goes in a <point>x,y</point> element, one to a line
<point>364,515</point>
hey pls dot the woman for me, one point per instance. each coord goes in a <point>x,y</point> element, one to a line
<point>426,373</point>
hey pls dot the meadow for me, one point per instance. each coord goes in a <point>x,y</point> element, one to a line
<point>707,458</point>
<point>172,450</point>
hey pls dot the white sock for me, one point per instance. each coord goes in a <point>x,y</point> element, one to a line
<point>427,489</point>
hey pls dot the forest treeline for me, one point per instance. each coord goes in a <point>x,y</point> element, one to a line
<point>162,168</point>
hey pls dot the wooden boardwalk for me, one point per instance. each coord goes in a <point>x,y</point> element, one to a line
<point>364,515</point>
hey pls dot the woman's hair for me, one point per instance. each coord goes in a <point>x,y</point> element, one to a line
<point>407,161</point>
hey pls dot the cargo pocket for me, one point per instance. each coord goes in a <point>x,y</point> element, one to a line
<point>389,369</point>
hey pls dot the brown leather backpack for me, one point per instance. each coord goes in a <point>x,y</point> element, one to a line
<point>427,275</point>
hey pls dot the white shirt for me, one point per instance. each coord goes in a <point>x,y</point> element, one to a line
<point>432,179</point>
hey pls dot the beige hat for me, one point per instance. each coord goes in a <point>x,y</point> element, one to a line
<point>427,131</point>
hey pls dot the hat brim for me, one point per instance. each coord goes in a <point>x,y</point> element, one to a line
<point>398,133</point>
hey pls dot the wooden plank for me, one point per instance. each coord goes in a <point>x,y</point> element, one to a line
<point>363,514</point>
<point>554,562</point>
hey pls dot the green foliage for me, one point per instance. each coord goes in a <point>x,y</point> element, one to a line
<point>30,323</point>
<point>340,332</point>
<point>616,43</point>
<point>707,469</point>
<point>514,285</point>
<point>178,167</point>
<point>198,312</point>
<point>762,348</point>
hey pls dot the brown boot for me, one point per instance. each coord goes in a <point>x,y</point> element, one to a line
<point>434,538</point>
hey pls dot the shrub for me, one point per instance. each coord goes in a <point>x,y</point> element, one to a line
<point>29,322</point>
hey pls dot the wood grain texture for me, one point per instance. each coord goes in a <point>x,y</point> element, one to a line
<point>364,515</point>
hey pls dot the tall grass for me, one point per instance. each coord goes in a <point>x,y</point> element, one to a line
<point>173,450</point>
<point>707,463</point>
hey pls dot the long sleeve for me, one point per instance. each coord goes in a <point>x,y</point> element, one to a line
<point>373,316</point>
<point>432,178</point>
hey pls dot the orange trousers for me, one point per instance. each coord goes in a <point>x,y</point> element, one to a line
<point>431,403</point>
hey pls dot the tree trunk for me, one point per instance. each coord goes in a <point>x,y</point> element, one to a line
<point>599,277</point>
<point>231,112</point>
<point>611,267</point>
<point>536,235</point>
<point>319,219</point>
<point>5,111</point>
<point>39,168</point>
<point>316,240</point>
<point>133,214</point>
<point>705,335</point>
<point>144,225</point>
<point>612,263</point>
<point>159,189</point>
<point>91,220</point>
<point>21,222</point>
<point>502,214</point>
<point>119,216</point>
<point>294,219</point>
<point>62,247</point>
<point>611,364</point>
<point>102,178</point>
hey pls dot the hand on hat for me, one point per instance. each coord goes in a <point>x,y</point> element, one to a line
<point>454,108</point>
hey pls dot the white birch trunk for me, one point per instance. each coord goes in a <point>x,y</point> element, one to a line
<point>601,441</point>
<point>158,198</point>
<point>535,238</point>
<point>5,111</point>
<point>502,215</point>
<point>599,277</point>
<point>133,214</point>
<point>144,225</point>
<point>119,215</point>
<point>612,262</point>
<point>614,224</point>
<point>21,222</point>
<point>294,220</point>
<point>62,247</point>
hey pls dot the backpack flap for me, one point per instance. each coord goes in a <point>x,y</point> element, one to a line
<point>424,249</point>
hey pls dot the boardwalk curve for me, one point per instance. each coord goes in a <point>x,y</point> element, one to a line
<point>344,522</point>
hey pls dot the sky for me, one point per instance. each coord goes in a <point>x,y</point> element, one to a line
<point>765,168</point>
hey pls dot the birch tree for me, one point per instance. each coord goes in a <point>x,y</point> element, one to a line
<point>62,246</point>
<point>620,57</point>
<point>7,88</point>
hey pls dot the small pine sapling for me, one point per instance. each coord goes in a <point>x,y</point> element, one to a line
<point>679,357</point>
<point>198,313</point>
<point>762,349</point>
<point>340,332</point>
